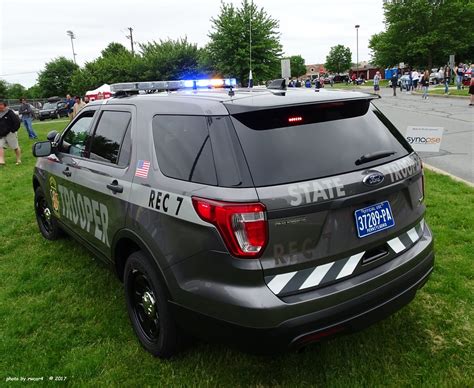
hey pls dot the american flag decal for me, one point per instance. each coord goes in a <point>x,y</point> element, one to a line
<point>142,168</point>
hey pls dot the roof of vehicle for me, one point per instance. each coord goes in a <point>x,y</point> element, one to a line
<point>209,101</point>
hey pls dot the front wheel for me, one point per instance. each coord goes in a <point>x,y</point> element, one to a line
<point>148,307</point>
<point>48,225</point>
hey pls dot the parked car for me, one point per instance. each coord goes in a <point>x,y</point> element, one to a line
<point>403,82</point>
<point>53,110</point>
<point>436,76</point>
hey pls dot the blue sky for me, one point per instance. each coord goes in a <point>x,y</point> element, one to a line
<point>32,32</point>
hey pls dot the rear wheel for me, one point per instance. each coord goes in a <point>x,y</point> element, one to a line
<point>148,307</point>
<point>48,225</point>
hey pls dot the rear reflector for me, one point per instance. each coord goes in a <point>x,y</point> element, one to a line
<point>243,226</point>
<point>318,336</point>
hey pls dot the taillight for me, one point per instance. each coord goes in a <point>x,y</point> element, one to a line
<point>243,226</point>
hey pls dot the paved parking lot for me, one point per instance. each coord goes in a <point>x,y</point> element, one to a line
<point>456,155</point>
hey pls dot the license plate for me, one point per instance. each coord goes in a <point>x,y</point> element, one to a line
<point>373,219</point>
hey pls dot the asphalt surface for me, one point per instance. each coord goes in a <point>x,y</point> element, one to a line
<point>456,155</point>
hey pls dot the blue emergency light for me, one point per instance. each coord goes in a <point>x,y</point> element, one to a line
<point>149,86</point>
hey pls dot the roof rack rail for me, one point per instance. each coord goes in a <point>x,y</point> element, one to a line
<point>155,86</point>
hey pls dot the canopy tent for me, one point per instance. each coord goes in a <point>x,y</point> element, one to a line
<point>101,93</point>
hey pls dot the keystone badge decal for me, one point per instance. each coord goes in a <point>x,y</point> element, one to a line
<point>53,191</point>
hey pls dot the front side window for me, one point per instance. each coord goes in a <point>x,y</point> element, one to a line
<point>183,148</point>
<point>109,136</point>
<point>76,138</point>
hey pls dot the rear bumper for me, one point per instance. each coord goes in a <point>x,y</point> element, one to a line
<point>271,323</point>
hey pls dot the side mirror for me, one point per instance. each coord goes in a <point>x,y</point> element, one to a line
<point>42,148</point>
<point>51,135</point>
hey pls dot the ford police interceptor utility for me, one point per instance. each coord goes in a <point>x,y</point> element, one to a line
<point>269,217</point>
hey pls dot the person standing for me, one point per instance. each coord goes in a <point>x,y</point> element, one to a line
<point>459,75</point>
<point>26,114</point>
<point>425,82</point>
<point>447,77</point>
<point>377,82</point>
<point>79,104</point>
<point>393,83</point>
<point>69,105</point>
<point>9,125</point>
<point>415,76</point>
<point>471,91</point>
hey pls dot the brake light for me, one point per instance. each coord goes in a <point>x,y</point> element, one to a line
<point>243,226</point>
<point>295,119</point>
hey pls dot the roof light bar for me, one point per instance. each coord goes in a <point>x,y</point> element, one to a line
<point>169,85</point>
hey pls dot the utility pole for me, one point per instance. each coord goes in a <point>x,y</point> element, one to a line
<point>357,50</point>
<point>250,48</point>
<point>72,36</point>
<point>130,29</point>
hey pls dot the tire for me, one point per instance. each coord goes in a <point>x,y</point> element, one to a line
<point>47,223</point>
<point>148,307</point>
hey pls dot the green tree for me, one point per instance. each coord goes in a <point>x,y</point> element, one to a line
<point>115,64</point>
<point>169,59</point>
<point>424,33</point>
<point>16,91</point>
<point>34,92</point>
<point>229,47</point>
<point>339,59</point>
<point>3,88</point>
<point>297,65</point>
<point>55,79</point>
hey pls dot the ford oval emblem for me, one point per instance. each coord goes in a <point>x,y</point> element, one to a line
<point>374,179</point>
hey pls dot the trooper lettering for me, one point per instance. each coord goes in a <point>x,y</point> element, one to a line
<point>84,212</point>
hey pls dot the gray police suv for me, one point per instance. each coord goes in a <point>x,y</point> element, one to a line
<point>271,218</point>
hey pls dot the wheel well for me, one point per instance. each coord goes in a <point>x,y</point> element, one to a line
<point>123,249</point>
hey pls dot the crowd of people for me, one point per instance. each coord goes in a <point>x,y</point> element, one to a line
<point>10,123</point>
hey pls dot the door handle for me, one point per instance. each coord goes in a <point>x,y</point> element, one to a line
<point>115,187</point>
<point>67,172</point>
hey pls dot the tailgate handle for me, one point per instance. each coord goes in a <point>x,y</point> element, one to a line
<point>67,172</point>
<point>115,187</point>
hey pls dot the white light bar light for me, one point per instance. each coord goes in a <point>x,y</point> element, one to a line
<point>172,85</point>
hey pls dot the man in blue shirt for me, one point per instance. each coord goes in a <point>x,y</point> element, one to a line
<point>70,105</point>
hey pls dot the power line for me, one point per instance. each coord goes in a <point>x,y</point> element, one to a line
<point>25,72</point>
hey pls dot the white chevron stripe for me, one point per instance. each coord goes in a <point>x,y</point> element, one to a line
<point>396,245</point>
<point>422,225</point>
<point>317,275</point>
<point>413,235</point>
<point>350,265</point>
<point>280,281</point>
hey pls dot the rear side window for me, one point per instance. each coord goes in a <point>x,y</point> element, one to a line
<point>300,143</point>
<point>109,136</point>
<point>183,148</point>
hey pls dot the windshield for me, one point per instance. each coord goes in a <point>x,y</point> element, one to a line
<point>328,141</point>
<point>49,105</point>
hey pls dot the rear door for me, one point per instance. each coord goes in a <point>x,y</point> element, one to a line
<point>316,169</point>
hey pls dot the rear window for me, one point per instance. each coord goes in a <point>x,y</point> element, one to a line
<point>301,143</point>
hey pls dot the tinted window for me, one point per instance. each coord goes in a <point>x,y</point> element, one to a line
<point>324,147</point>
<point>76,139</point>
<point>183,148</point>
<point>109,135</point>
